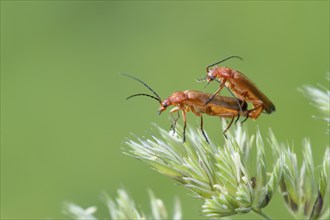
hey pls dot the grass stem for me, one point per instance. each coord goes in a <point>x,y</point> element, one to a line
<point>261,213</point>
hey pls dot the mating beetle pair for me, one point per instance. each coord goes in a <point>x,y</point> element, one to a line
<point>201,103</point>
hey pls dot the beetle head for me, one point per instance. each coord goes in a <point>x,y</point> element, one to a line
<point>164,106</point>
<point>211,75</point>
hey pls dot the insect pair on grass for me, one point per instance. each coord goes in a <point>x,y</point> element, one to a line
<point>201,103</point>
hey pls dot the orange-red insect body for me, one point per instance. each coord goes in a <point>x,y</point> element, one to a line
<point>243,88</point>
<point>194,101</point>
<point>222,106</point>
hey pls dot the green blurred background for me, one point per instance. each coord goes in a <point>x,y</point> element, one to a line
<point>64,117</point>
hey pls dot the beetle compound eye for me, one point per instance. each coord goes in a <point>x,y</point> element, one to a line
<point>210,77</point>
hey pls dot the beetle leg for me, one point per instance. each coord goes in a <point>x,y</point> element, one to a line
<point>207,140</point>
<point>240,110</point>
<point>184,125</point>
<point>173,126</point>
<point>231,122</point>
<point>257,110</point>
<point>246,118</point>
<point>175,109</point>
<point>201,116</point>
<point>214,94</point>
<point>238,116</point>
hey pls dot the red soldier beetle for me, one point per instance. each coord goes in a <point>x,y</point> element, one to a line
<point>242,87</point>
<point>194,101</point>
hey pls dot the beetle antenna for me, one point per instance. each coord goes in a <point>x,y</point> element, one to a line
<point>143,83</point>
<point>224,60</point>
<point>206,84</point>
<point>201,79</point>
<point>143,94</point>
